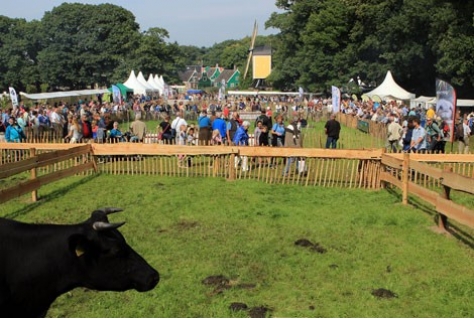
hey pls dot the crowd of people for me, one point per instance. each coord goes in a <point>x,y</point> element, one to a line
<point>415,129</point>
<point>218,123</point>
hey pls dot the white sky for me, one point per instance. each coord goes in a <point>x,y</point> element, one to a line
<point>189,22</point>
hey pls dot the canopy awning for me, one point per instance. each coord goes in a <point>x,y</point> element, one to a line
<point>62,94</point>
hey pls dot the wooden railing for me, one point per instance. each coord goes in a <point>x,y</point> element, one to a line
<point>430,177</point>
<point>25,159</point>
<point>409,172</point>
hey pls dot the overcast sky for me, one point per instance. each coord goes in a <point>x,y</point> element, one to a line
<point>189,22</point>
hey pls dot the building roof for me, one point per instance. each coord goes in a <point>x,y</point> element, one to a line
<point>262,50</point>
<point>225,75</point>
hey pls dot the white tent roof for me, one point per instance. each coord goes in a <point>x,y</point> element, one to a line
<point>389,88</point>
<point>159,83</point>
<point>459,102</point>
<point>62,94</point>
<point>142,81</point>
<point>151,82</point>
<point>137,87</point>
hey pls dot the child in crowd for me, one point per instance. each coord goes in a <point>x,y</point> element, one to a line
<point>95,128</point>
<point>191,139</point>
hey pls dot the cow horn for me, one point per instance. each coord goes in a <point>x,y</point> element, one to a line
<point>111,210</point>
<point>105,226</point>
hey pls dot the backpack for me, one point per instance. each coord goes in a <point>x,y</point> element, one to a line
<point>445,129</point>
<point>233,128</point>
<point>459,131</point>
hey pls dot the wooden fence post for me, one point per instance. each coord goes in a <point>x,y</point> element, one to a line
<point>442,219</point>
<point>34,194</point>
<point>405,174</point>
<point>231,167</point>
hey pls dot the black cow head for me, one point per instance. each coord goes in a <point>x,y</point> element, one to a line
<point>106,261</point>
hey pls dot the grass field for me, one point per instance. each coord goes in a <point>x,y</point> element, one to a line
<point>190,229</point>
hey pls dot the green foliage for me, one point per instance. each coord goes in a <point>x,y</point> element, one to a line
<point>84,43</point>
<point>324,43</point>
<point>320,43</point>
<point>192,228</point>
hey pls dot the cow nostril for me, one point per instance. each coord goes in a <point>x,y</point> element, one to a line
<point>155,278</point>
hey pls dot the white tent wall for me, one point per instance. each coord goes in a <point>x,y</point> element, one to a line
<point>390,89</point>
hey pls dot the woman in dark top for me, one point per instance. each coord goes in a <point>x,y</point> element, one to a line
<point>165,130</point>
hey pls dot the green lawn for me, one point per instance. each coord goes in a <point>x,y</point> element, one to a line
<point>193,228</point>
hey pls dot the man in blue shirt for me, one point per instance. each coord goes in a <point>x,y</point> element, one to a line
<point>204,123</point>
<point>220,124</point>
<point>418,139</point>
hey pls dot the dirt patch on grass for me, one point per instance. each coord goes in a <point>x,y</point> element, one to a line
<point>313,247</point>
<point>222,283</point>
<point>383,293</point>
<point>186,225</point>
<point>238,306</point>
<point>254,312</point>
<point>217,280</point>
<point>258,312</point>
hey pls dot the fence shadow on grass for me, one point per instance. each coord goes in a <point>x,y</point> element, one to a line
<point>50,197</point>
<point>454,229</point>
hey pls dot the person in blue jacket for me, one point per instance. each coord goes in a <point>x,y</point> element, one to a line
<point>241,138</point>
<point>13,133</point>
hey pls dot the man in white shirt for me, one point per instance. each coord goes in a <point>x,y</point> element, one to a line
<point>177,122</point>
<point>57,121</point>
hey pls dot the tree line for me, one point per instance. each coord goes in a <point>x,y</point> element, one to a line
<point>320,43</point>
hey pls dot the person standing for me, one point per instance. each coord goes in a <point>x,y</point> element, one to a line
<point>13,132</point>
<point>204,123</point>
<point>241,138</point>
<point>164,129</point>
<point>138,129</point>
<point>394,134</point>
<point>278,132</point>
<point>463,141</point>
<point>433,134</point>
<point>332,130</point>
<point>177,123</point>
<point>293,139</point>
<point>74,131</point>
<point>219,124</point>
<point>418,139</point>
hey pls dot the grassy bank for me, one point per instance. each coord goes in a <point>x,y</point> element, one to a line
<point>245,232</point>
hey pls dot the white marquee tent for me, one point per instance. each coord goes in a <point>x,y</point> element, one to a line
<point>389,89</point>
<point>142,81</point>
<point>137,87</point>
<point>151,82</point>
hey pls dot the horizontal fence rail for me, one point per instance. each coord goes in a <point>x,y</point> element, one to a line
<point>430,177</point>
<point>409,172</point>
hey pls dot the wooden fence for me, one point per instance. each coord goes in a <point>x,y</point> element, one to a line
<point>427,176</point>
<point>77,160</point>
<point>409,172</point>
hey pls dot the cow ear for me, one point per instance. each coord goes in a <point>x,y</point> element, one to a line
<point>78,245</point>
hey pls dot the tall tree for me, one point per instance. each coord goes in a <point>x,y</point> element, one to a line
<point>85,43</point>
